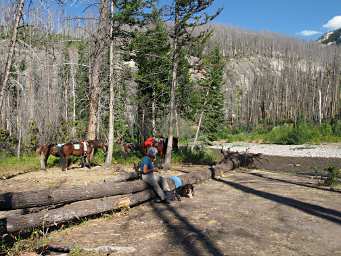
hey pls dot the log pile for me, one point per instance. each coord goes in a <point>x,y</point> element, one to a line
<point>22,211</point>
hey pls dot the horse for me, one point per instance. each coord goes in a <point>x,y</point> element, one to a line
<point>64,151</point>
<point>161,146</point>
<point>97,144</point>
<point>175,145</point>
<point>128,147</point>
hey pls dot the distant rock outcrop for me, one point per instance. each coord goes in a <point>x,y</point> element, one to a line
<point>331,38</point>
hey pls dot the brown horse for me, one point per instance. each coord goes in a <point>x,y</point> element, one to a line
<point>128,147</point>
<point>83,149</point>
<point>96,144</point>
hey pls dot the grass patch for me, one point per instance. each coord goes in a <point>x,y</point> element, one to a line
<point>198,156</point>
<point>288,134</point>
<point>10,166</point>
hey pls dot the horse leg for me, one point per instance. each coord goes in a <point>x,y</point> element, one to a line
<point>43,161</point>
<point>82,162</point>
<point>87,161</point>
<point>63,161</point>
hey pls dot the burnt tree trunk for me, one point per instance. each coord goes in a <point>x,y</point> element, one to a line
<point>3,85</point>
<point>97,58</point>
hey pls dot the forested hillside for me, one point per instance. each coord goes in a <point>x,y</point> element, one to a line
<point>65,74</point>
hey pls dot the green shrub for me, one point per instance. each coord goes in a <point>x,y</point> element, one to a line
<point>289,135</point>
<point>279,134</point>
<point>197,156</point>
<point>332,176</point>
<point>326,129</point>
<point>337,128</point>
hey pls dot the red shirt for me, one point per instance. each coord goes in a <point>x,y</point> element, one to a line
<point>149,142</point>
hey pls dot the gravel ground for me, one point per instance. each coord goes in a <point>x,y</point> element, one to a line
<point>324,150</point>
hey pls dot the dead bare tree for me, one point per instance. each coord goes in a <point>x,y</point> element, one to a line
<point>8,64</point>
<point>97,56</point>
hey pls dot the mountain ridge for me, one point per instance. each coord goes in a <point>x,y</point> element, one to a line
<point>331,38</point>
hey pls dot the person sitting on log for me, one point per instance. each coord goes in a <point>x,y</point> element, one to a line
<point>147,169</point>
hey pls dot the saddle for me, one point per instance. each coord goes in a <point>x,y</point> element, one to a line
<point>77,146</point>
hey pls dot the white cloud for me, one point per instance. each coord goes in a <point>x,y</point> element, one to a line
<point>334,23</point>
<point>309,33</point>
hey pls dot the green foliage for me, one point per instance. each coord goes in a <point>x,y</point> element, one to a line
<point>212,100</point>
<point>10,165</point>
<point>7,143</point>
<point>198,156</point>
<point>336,127</point>
<point>31,140</point>
<point>152,55</point>
<point>82,81</point>
<point>131,12</point>
<point>333,175</point>
<point>185,93</point>
<point>286,134</point>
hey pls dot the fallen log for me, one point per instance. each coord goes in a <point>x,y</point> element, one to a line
<point>6,214</point>
<point>112,193</point>
<point>110,187</point>
<point>73,211</point>
<point>63,195</point>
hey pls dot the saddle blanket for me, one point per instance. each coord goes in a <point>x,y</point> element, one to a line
<point>77,146</point>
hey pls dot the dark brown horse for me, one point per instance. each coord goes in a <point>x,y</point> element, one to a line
<point>82,149</point>
<point>175,146</point>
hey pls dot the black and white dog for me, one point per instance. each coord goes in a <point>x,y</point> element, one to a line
<point>183,191</point>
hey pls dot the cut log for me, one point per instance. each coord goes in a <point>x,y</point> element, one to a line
<point>124,176</point>
<point>63,195</point>
<point>110,187</point>
<point>75,211</point>
<point>6,214</point>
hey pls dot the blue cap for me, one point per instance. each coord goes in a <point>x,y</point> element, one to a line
<point>152,151</point>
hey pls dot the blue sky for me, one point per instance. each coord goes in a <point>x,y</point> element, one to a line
<point>295,18</point>
<point>289,17</point>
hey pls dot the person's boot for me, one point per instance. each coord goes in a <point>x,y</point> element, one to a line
<point>167,201</point>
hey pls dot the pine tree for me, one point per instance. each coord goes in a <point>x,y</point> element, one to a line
<point>152,50</point>
<point>187,16</point>
<point>214,117</point>
<point>210,98</point>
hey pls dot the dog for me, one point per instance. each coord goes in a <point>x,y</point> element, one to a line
<point>184,191</point>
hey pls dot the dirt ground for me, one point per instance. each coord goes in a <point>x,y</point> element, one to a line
<point>247,212</point>
<point>54,177</point>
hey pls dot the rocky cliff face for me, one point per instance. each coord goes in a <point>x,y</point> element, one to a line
<point>331,38</point>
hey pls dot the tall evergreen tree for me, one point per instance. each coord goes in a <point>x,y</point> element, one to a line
<point>210,98</point>
<point>214,117</point>
<point>187,15</point>
<point>152,50</point>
